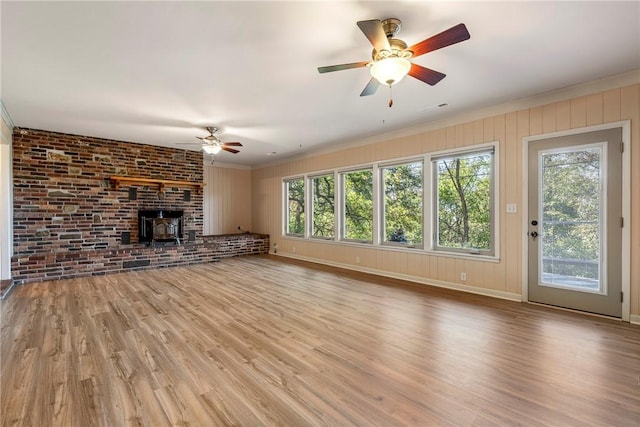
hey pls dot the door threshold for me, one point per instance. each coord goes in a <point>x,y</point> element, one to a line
<point>573,310</point>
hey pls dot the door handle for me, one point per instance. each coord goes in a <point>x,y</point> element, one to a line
<point>534,234</point>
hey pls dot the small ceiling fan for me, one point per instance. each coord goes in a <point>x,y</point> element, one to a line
<point>391,57</point>
<point>211,144</point>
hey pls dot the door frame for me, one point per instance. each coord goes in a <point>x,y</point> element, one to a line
<point>626,205</point>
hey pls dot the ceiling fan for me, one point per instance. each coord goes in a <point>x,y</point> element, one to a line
<point>391,57</point>
<point>211,144</point>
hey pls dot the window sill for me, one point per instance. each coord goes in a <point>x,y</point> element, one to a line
<point>396,248</point>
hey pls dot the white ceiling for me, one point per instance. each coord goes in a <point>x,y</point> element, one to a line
<point>159,72</point>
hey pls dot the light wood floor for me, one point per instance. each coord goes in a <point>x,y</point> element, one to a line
<point>259,341</point>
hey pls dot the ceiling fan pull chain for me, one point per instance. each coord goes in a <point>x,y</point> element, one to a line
<point>390,97</point>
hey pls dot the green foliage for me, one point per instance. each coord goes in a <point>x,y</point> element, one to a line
<point>571,213</point>
<point>403,203</point>
<point>463,213</point>
<point>295,206</point>
<point>323,219</point>
<point>358,205</point>
<point>464,202</point>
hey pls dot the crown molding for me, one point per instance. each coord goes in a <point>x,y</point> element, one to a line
<point>215,164</point>
<point>6,116</point>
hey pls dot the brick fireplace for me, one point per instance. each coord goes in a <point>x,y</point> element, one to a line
<point>72,220</point>
<point>63,198</point>
<point>65,204</point>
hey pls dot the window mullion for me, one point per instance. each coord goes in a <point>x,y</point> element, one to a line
<point>341,202</point>
<point>428,204</point>
<point>377,205</point>
<point>308,200</point>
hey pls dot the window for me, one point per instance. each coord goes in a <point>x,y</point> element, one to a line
<point>463,185</point>
<point>398,204</point>
<point>402,203</point>
<point>323,209</point>
<point>295,206</point>
<point>357,205</point>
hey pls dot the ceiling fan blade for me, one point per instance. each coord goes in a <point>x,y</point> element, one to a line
<point>341,67</point>
<point>231,150</point>
<point>446,38</point>
<point>370,88</point>
<point>372,29</point>
<point>232,144</point>
<point>427,75</point>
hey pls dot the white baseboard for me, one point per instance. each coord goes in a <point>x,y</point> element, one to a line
<point>7,291</point>
<point>635,319</point>
<point>415,279</point>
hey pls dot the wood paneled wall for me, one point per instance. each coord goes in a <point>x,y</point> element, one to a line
<point>227,199</point>
<point>503,278</point>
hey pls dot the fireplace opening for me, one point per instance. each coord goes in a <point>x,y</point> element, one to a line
<point>160,225</point>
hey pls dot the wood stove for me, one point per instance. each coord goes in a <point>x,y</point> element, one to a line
<point>160,225</point>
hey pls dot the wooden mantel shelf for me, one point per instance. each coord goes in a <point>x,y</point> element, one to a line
<point>161,183</point>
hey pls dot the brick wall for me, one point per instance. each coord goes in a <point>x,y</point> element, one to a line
<point>63,199</point>
<point>68,217</point>
<point>64,202</point>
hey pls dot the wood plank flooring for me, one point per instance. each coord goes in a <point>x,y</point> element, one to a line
<point>260,341</point>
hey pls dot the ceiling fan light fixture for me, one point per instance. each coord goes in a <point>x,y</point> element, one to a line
<point>390,70</point>
<point>211,149</point>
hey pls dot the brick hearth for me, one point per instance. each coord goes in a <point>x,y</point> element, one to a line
<point>65,265</point>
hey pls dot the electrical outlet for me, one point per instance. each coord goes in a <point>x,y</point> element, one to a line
<point>357,260</point>
<point>512,208</point>
<point>463,276</point>
<point>294,249</point>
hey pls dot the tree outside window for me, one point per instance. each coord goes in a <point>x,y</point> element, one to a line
<point>461,205</point>
<point>358,205</point>
<point>295,206</point>
<point>323,212</point>
<point>571,198</point>
<point>403,201</point>
<point>464,204</point>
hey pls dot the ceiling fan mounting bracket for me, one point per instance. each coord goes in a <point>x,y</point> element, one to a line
<point>391,26</point>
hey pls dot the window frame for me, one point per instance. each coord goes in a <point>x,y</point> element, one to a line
<point>488,148</point>
<point>341,236</point>
<point>310,183</point>
<point>382,207</point>
<point>428,205</point>
<point>286,217</point>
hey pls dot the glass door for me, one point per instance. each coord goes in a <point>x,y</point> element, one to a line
<point>574,229</point>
